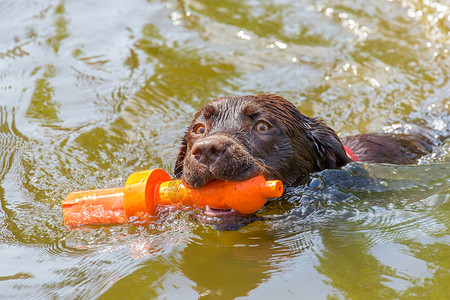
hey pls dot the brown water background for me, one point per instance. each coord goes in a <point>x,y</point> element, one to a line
<point>92,91</point>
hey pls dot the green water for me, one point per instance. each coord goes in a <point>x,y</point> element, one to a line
<point>92,91</point>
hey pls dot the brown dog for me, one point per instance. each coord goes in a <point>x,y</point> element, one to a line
<point>236,138</point>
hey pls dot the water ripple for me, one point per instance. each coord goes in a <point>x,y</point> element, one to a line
<point>11,140</point>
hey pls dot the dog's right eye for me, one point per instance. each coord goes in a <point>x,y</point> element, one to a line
<point>262,126</point>
<point>199,129</point>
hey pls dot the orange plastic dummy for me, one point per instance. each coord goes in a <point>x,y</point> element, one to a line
<point>145,190</point>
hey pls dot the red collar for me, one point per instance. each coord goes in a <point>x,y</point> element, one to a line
<point>350,154</point>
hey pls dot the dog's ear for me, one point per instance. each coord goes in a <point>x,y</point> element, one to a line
<point>178,169</point>
<point>328,146</point>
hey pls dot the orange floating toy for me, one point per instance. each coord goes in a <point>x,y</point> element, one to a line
<point>146,190</point>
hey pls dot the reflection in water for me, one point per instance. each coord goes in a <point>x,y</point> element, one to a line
<point>60,26</point>
<point>235,263</point>
<point>42,106</point>
<point>344,255</point>
<point>387,254</point>
<point>92,91</point>
<point>179,72</point>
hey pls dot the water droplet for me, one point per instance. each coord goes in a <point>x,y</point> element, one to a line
<point>316,184</point>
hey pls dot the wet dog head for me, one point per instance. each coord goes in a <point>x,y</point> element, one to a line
<point>237,138</point>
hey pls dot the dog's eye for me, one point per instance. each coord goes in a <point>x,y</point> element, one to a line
<point>262,126</point>
<point>199,129</point>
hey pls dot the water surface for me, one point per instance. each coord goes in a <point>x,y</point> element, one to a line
<point>92,91</point>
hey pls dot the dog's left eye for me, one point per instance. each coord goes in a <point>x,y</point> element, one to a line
<point>199,129</point>
<point>262,126</point>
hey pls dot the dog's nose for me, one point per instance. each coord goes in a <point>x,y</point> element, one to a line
<point>207,151</point>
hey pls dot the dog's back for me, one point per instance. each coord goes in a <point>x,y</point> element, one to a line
<point>388,148</point>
